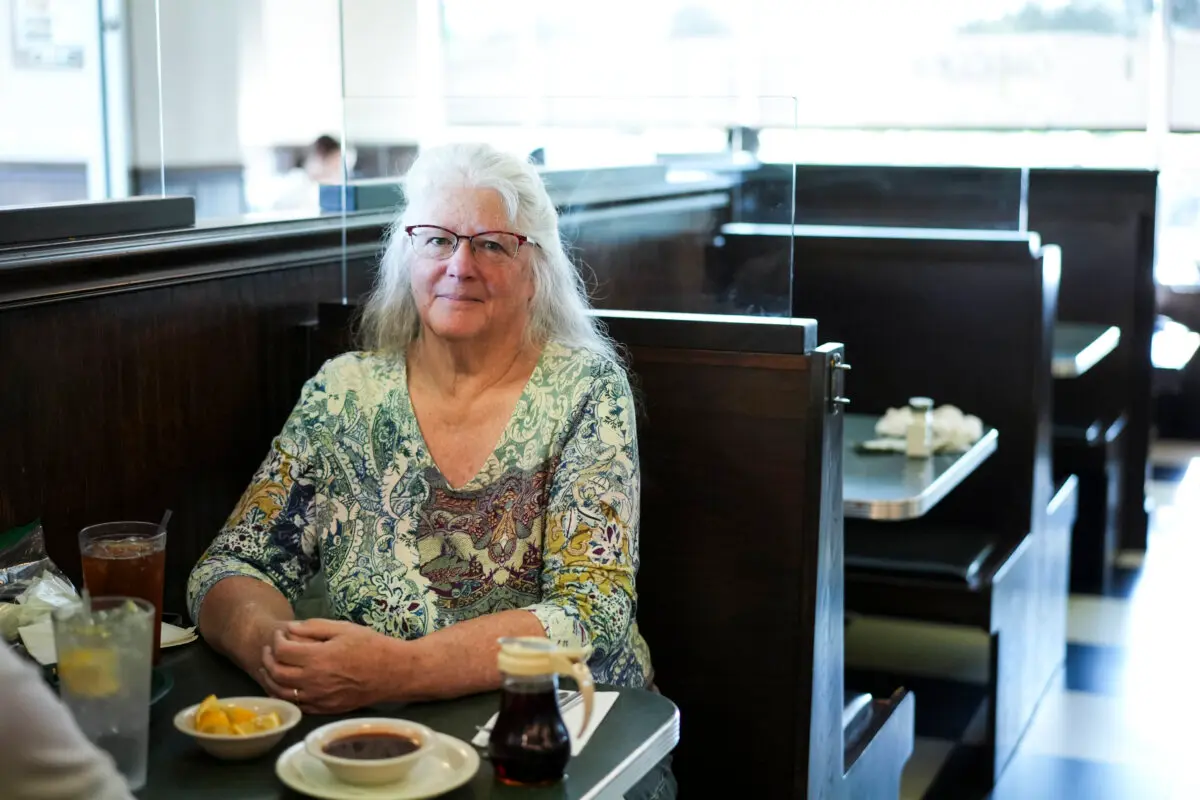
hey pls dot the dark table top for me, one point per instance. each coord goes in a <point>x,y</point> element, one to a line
<point>641,728</point>
<point>892,486</point>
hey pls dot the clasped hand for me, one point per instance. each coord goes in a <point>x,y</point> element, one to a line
<point>326,667</point>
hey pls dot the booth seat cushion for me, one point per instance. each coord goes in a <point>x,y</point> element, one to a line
<point>950,553</point>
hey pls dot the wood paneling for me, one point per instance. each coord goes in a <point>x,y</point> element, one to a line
<point>648,256</point>
<point>1105,223</point>
<point>152,372</point>
<point>126,404</point>
<point>883,196</point>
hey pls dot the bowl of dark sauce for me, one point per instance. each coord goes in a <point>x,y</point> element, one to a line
<point>370,751</point>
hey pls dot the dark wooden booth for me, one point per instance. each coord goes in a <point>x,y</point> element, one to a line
<point>737,429</point>
<point>965,318</point>
<point>1104,222</point>
<point>1105,225</point>
<point>152,371</point>
<point>742,580</point>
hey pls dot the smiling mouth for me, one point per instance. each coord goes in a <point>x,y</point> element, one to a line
<point>458,299</point>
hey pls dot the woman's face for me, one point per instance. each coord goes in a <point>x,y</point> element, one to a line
<point>464,296</point>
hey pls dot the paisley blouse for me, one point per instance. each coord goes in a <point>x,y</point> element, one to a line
<point>349,496</point>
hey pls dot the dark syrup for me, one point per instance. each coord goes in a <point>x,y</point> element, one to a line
<point>529,745</point>
<point>371,746</point>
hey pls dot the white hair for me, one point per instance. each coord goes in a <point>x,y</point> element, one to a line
<point>559,309</point>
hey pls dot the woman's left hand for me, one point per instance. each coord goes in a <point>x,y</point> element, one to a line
<point>327,667</point>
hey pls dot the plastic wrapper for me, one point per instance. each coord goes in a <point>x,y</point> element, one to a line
<point>31,585</point>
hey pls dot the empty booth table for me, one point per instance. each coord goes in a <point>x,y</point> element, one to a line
<point>892,486</point>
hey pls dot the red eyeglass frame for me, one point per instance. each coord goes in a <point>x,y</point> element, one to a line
<point>522,240</point>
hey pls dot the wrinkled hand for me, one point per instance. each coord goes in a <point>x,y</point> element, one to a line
<point>334,666</point>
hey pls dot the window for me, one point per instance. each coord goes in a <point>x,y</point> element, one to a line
<point>1183,17</point>
<point>51,151</point>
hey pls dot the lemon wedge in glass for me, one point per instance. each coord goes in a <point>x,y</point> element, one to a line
<point>89,672</point>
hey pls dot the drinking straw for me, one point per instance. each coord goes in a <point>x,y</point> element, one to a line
<point>162,526</point>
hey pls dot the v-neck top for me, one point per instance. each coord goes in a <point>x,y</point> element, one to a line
<point>349,496</point>
<point>518,415</point>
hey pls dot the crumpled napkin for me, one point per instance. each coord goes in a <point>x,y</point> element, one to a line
<point>953,431</point>
<point>573,717</point>
<point>36,603</point>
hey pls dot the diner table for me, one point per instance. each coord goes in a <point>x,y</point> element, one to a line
<point>892,486</point>
<point>1079,346</point>
<point>641,728</point>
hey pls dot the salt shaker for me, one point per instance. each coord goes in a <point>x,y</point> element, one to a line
<point>919,442</point>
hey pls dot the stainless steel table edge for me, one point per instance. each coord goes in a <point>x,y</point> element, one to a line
<point>637,763</point>
<point>1064,491</point>
<point>918,506</point>
<point>1089,356</point>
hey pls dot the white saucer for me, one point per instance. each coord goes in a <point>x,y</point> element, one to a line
<point>451,765</point>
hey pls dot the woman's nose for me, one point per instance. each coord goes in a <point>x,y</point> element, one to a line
<point>462,260</point>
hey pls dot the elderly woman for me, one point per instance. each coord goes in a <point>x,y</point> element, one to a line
<point>473,475</point>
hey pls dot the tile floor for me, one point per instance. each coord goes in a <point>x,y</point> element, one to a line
<point>1119,723</point>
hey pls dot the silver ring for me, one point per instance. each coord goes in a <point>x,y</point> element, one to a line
<point>296,694</point>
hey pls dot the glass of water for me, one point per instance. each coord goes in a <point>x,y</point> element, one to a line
<point>104,661</point>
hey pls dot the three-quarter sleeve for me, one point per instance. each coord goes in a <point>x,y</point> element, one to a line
<point>590,554</point>
<point>270,535</point>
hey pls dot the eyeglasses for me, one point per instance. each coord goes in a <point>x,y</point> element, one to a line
<point>497,247</point>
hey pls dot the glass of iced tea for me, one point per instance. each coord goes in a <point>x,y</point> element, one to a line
<point>126,559</point>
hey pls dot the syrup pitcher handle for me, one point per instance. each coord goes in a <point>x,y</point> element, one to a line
<point>578,670</point>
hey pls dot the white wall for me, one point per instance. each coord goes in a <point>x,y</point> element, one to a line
<point>245,74</point>
<point>1185,75</point>
<point>392,71</point>
<point>200,68</point>
<point>290,86</point>
<point>51,115</point>
<point>141,28</point>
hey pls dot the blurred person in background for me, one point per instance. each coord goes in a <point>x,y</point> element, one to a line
<point>301,186</point>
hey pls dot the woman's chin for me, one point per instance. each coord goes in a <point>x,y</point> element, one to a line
<point>455,330</point>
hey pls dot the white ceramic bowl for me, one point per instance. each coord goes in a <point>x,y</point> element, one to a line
<point>252,745</point>
<point>370,772</point>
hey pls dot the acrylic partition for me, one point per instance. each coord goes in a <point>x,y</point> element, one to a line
<point>219,100</point>
<point>643,185</point>
<point>891,196</point>
<point>79,89</point>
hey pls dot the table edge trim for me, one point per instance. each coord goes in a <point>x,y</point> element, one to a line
<point>656,746</point>
<point>921,504</point>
